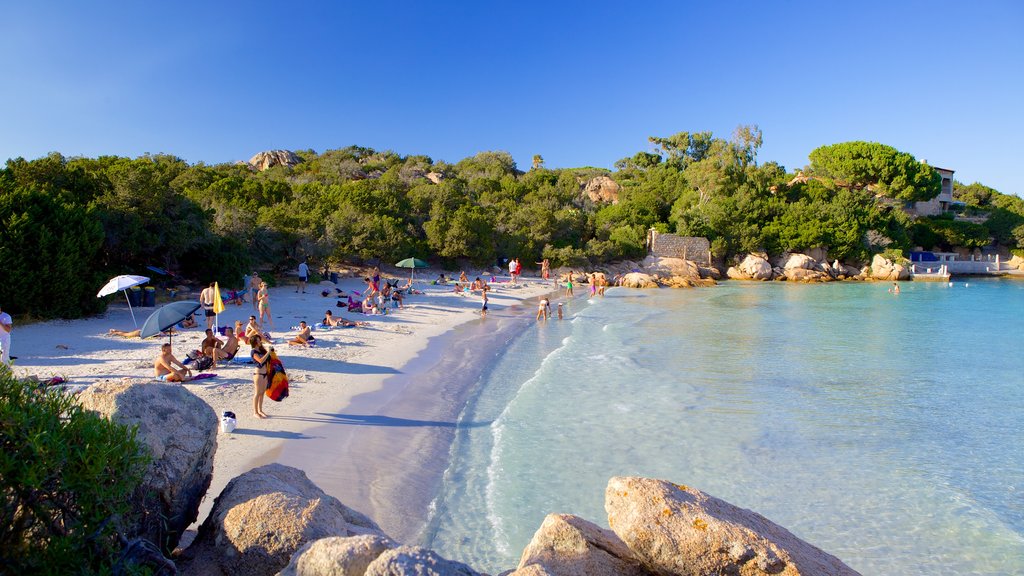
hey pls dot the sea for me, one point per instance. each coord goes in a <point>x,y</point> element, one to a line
<point>883,428</point>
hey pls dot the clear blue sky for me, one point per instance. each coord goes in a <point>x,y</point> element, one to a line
<point>581,83</point>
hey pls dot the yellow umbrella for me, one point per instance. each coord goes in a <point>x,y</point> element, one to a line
<point>218,304</point>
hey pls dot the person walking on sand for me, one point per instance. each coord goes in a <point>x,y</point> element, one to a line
<point>512,270</point>
<point>261,357</point>
<point>6,325</point>
<point>254,288</point>
<point>483,307</point>
<point>206,301</point>
<point>264,297</point>
<point>303,275</point>
<point>167,368</point>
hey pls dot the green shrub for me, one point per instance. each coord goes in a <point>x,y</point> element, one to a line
<point>66,476</point>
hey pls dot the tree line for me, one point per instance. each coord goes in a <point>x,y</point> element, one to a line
<point>72,223</point>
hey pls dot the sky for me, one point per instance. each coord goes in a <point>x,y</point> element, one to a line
<point>580,83</point>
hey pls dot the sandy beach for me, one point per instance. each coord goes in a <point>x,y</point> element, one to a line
<point>369,412</point>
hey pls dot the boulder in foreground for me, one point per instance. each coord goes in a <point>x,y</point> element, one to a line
<point>263,517</point>
<point>335,556</point>
<point>180,431</point>
<point>676,530</point>
<point>571,546</point>
<point>416,561</point>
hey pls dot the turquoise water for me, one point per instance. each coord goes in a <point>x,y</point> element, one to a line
<point>885,429</point>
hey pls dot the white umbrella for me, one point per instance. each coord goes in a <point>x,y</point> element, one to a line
<point>123,283</point>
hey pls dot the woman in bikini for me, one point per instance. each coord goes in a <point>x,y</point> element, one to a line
<point>264,298</point>
<point>261,356</point>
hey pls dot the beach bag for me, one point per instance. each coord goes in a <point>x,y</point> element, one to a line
<point>228,422</point>
<point>277,380</point>
<point>203,362</point>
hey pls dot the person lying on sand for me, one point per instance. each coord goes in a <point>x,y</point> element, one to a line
<point>167,368</point>
<point>330,320</point>
<point>304,337</point>
<point>135,333</point>
<point>189,322</point>
<point>225,350</point>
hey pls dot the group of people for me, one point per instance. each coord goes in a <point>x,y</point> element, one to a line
<point>544,309</point>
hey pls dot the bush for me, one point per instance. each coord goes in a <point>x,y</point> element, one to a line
<point>66,477</point>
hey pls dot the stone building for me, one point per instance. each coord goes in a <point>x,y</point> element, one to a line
<point>692,248</point>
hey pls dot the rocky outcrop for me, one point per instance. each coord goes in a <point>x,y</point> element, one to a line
<point>793,261</point>
<point>1016,263</point>
<point>435,177</point>
<point>638,280</point>
<point>752,267</point>
<point>337,556</point>
<point>264,516</point>
<point>668,267</point>
<point>884,269</point>
<point>571,546</point>
<point>676,530</point>
<point>416,561</point>
<point>602,189</point>
<point>180,431</point>
<point>271,158</point>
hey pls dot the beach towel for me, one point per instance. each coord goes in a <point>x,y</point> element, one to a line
<point>203,376</point>
<point>277,380</point>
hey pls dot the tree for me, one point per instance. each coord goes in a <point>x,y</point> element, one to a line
<point>882,169</point>
<point>538,161</point>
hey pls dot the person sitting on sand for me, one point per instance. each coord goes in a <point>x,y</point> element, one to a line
<point>441,279</point>
<point>167,368</point>
<point>463,278</point>
<point>226,351</point>
<point>189,322</point>
<point>253,328</point>
<point>304,337</point>
<point>210,343</point>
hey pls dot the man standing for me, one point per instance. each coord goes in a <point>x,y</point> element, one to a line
<point>512,270</point>
<point>206,301</point>
<point>5,336</point>
<point>254,287</point>
<point>303,275</point>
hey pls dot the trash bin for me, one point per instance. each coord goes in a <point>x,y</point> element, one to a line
<point>149,297</point>
<point>334,277</point>
<point>135,296</point>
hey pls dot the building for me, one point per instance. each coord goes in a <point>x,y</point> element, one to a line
<point>940,203</point>
<point>692,248</point>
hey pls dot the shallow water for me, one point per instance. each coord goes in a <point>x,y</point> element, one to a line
<point>885,429</point>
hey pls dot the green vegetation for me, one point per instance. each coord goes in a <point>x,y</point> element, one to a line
<point>71,223</point>
<point>65,480</point>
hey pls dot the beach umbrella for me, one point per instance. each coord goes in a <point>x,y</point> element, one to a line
<point>166,317</point>
<point>122,284</point>
<point>218,305</point>
<point>412,263</point>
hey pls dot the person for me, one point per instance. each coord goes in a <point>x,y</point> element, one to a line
<point>545,268</point>
<point>376,279</point>
<point>167,368</point>
<point>137,333</point>
<point>330,320</point>
<point>303,275</point>
<point>189,322</point>
<point>463,278</point>
<point>245,285</point>
<point>519,268</point>
<point>602,283</point>
<point>512,270</point>
<point>254,287</point>
<point>206,301</point>
<point>592,278</point>
<point>6,325</point>
<point>544,309</point>
<point>264,297</point>
<point>210,343</point>
<point>568,285</point>
<point>253,328</point>
<point>895,288</point>
<point>261,357</point>
<point>559,310</point>
<point>227,350</point>
<point>483,307</point>
<point>304,337</point>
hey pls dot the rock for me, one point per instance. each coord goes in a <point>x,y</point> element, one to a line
<point>804,275</point>
<point>140,556</point>
<point>798,262</point>
<point>416,561</point>
<point>710,272</point>
<point>676,530</point>
<point>264,516</point>
<point>180,431</point>
<point>602,189</point>
<point>687,282</point>
<point>755,267</point>
<point>1016,262</point>
<point>531,570</point>
<point>884,269</point>
<point>638,280</point>
<point>435,177</point>
<point>335,556</point>
<point>269,159</point>
<point>571,546</point>
<point>671,267</point>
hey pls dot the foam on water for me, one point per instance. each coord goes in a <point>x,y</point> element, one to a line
<point>884,429</point>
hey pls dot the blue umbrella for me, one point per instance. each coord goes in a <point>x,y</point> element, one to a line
<point>167,316</point>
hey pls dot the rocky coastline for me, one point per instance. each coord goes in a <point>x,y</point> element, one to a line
<point>274,520</point>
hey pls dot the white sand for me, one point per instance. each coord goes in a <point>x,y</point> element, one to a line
<point>344,363</point>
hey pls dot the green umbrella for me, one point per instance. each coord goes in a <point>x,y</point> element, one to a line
<point>413,263</point>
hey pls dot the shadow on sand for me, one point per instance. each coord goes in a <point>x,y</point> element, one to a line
<point>383,421</point>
